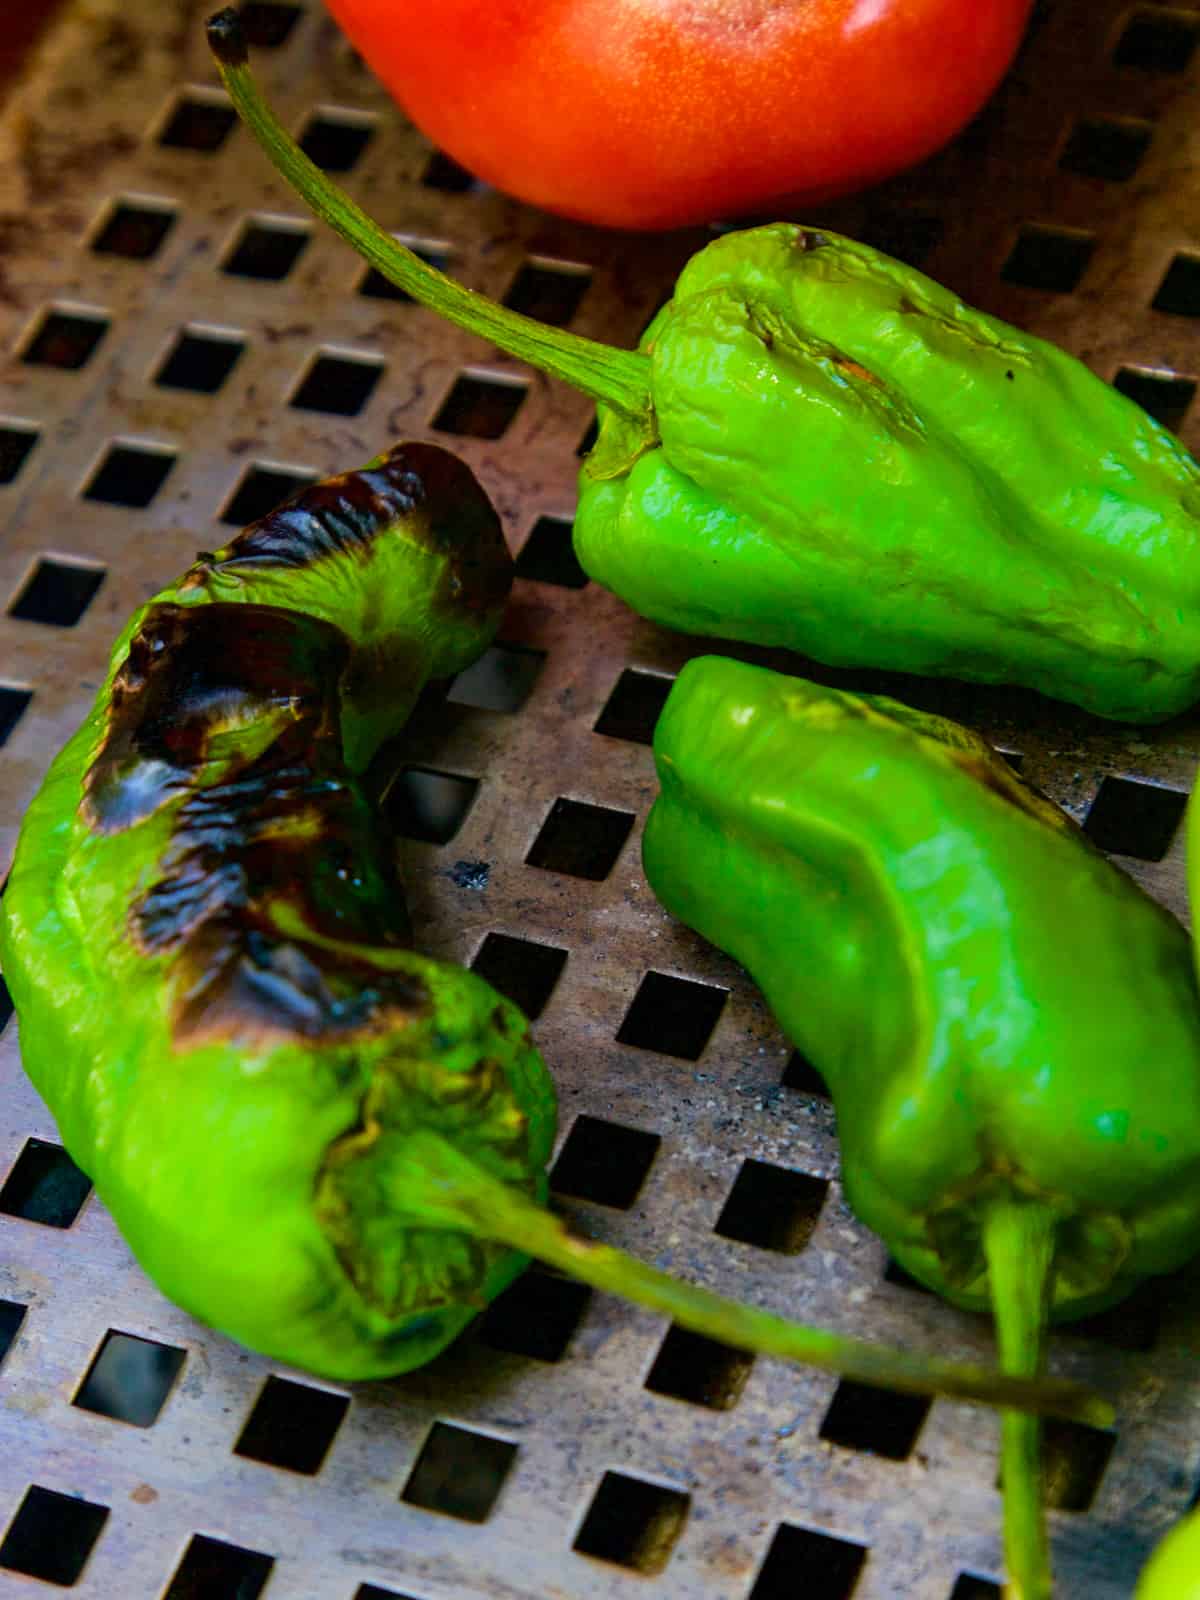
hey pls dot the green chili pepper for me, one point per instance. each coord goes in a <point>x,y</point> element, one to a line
<point>313,1137</point>
<point>1009,1026</point>
<point>1173,1571</point>
<point>818,447</point>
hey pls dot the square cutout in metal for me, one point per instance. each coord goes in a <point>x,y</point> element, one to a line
<point>292,1425</point>
<point>480,408</point>
<point>1157,41</point>
<point>16,441</point>
<point>339,385</point>
<point>57,593</point>
<point>1165,395</point>
<point>260,491</point>
<point>52,1536</point>
<point>548,291</point>
<point>548,555</point>
<point>536,1316</point>
<point>268,25</point>
<point>1179,292</point>
<point>130,1378</point>
<point>1108,148</point>
<point>523,971</point>
<point>212,1568</point>
<point>971,1587</point>
<point>199,361</point>
<point>44,1186</point>
<point>500,680</point>
<point>908,235</point>
<point>428,805</point>
<point>1048,258</point>
<point>604,1162</point>
<point>129,475</point>
<point>801,1075</point>
<point>632,1523</point>
<point>1074,1458</point>
<point>1131,818</point>
<point>634,706</point>
<point>580,840</point>
<point>673,1016</point>
<point>773,1208</point>
<point>134,231</point>
<point>801,1560</point>
<point>446,175</point>
<point>1132,1324</point>
<point>12,1315</point>
<point>6,1004</point>
<point>881,1422</point>
<point>701,1371</point>
<point>266,251</point>
<point>64,339</point>
<point>375,286</point>
<point>335,143</point>
<point>13,702</point>
<point>459,1473</point>
<point>200,121</point>
<point>372,1591</point>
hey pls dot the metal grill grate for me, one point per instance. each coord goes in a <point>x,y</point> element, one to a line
<point>184,348</point>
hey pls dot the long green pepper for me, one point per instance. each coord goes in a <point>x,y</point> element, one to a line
<point>818,447</point>
<point>1009,1026</point>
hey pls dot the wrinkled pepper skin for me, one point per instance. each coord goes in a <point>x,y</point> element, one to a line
<point>996,1008</point>
<point>1173,1571</point>
<point>851,463</point>
<point>208,946</point>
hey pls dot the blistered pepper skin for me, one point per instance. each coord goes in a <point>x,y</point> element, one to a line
<point>853,464</point>
<point>208,946</point>
<point>994,1005</point>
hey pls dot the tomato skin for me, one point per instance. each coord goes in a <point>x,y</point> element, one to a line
<point>658,113</point>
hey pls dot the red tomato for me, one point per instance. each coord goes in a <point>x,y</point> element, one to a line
<point>656,113</point>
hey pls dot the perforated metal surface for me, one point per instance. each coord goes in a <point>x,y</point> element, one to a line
<point>566,1448</point>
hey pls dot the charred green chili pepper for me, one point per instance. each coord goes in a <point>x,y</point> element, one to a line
<point>818,447</point>
<point>1009,1026</point>
<point>312,1136</point>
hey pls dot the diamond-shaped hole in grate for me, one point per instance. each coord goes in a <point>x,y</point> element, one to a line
<point>211,1568</point>
<point>548,556</point>
<point>632,1523</point>
<point>819,1565</point>
<point>880,1422</point>
<point>13,702</point>
<point>266,250</point>
<point>701,1371</point>
<point>292,1425</point>
<point>1048,258</point>
<point>44,1186</point>
<point>445,175</point>
<point>199,121</point>
<point>52,1536</point>
<point>268,24</point>
<point>335,143</point>
<point>536,1316</point>
<point>672,1016</point>
<point>1165,395</point>
<point>12,1315</point>
<point>261,489</point>
<point>337,384</point>
<point>773,1208</point>
<point>971,1587</point>
<point>549,290</point>
<point>133,230</point>
<point>375,286</point>
<point>580,839</point>
<point>1109,148</point>
<point>634,706</point>
<point>64,339</point>
<point>1157,41</point>
<point>523,971</point>
<point>200,360</point>
<point>1074,1457</point>
<point>372,1591</point>
<point>16,441</point>
<point>428,805</point>
<point>1132,818</point>
<point>1179,292</point>
<point>57,593</point>
<point>480,408</point>
<point>129,475</point>
<point>910,236</point>
<point>801,1075</point>
<point>604,1162</point>
<point>130,1378</point>
<point>459,1473</point>
<point>500,680</point>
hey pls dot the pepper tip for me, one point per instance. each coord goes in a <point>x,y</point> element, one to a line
<point>227,37</point>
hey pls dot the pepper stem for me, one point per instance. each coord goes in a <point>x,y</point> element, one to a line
<point>618,378</point>
<point>450,1190</point>
<point>1018,1243</point>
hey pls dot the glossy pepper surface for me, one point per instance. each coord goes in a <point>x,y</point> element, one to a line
<point>818,447</point>
<point>1173,1571</point>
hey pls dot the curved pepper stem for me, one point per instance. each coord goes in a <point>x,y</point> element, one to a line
<point>1018,1243</point>
<point>441,1187</point>
<point>618,378</point>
